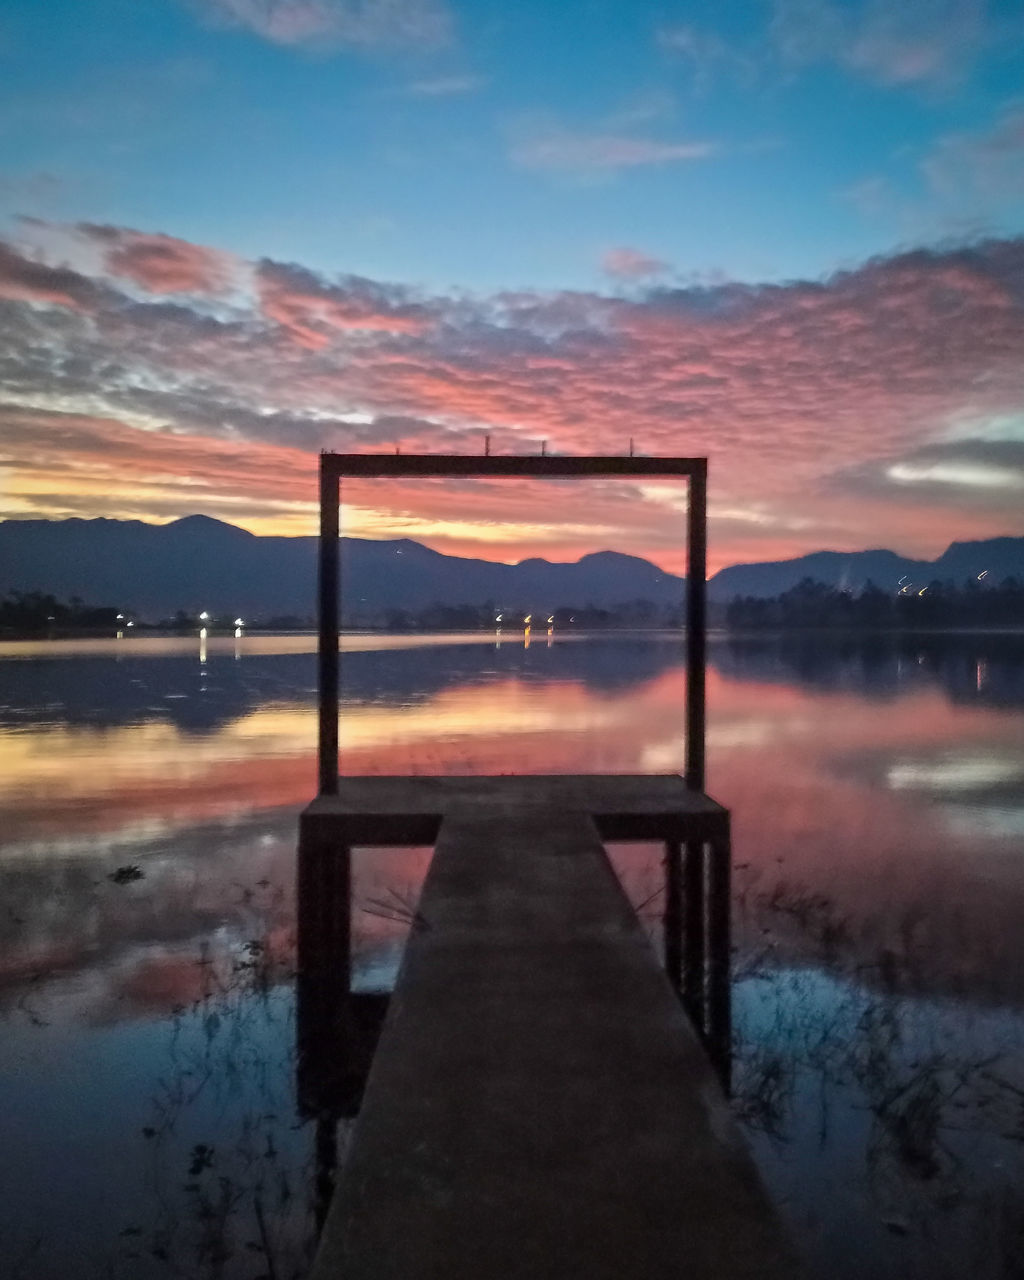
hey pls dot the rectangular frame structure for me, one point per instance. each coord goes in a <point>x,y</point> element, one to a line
<point>377,466</point>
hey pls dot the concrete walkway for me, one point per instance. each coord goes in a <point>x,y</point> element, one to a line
<point>539,1106</point>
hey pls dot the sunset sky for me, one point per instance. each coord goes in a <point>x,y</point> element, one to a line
<point>788,234</point>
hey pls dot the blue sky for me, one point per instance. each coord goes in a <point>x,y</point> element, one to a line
<point>425,161</point>
<point>788,233</point>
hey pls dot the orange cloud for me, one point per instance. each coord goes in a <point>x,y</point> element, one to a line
<point>60,459</point>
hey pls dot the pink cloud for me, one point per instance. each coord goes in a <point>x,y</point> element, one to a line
<point>89,453</point>
<point>788,388</point>
<point>160,263</point>
<point>309,309</point>
<point>630,264</point>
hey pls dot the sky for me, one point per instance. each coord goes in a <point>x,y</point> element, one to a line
<point>787,234</point>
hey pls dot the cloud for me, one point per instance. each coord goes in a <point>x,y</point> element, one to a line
<point>83,462</point>
<point>988,163</point>
<point>330,24</point>
<point>630,264</point>
<point>927,42</point>
<point>871,196</point>
<point>953,475</point>
<point>309,308</point>
<point>558,149</point>
<point>34,189</point>
<point>709,55</point>
<point>22,279</point>
<point>970,183</point>
<point>446,86</point>
<point>160,263</point>
<point>165,403</point>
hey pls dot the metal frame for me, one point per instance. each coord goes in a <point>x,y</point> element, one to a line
<point>377,466</point>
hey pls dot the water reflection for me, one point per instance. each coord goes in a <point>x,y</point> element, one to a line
<point>970,667</point>
<point>878,802</point>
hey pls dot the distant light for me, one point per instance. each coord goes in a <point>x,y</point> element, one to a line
<point>983,574</point>
<point>527,618</point>
<point>239,622</point>
<point>120,617</point>
<point>922,591</point>
<point>131,624</point>
<point>499,617</point>
<point>204,616</point>
<point>551,620</point>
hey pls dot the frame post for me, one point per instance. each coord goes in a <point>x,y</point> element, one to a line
<point>696,623</point>
<point>329,564</point>
<point>719,1001</point>
<point>695,933</point>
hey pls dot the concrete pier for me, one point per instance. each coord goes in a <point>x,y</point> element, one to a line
<point>540,1105</point>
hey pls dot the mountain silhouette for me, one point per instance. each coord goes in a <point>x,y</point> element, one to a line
<point>997,558</point>
<point>200,563</point>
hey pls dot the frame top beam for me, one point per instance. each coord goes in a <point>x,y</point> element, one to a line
<point>381,465</point>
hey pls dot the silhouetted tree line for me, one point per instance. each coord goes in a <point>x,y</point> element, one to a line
<point>940,604</point>
<point>31,612</point>
<point>470,617</point>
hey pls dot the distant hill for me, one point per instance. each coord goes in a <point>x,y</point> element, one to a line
<point>199,563</point>
<point>851,570</point>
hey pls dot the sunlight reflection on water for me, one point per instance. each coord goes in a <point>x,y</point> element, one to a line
<point>147,932</point>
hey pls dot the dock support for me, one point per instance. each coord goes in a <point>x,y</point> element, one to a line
<point>694,934</point>
<point>326,1162</point>
<point>323,987</point>
<point>673,917</point>
<point>719,999</point>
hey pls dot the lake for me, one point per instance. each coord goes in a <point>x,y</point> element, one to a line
<point>150,796</point>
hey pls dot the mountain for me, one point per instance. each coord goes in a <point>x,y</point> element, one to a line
<point>851,570</point>
<point>199,563</point>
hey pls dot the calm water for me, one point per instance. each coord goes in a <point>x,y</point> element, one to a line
<point>149,1124</point>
